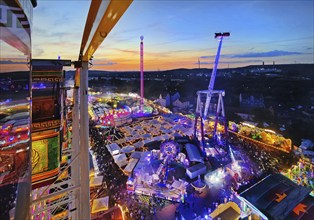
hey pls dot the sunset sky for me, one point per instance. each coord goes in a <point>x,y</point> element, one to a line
<point>178,33</point>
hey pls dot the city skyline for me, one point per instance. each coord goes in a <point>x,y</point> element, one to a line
<point>178,34</point>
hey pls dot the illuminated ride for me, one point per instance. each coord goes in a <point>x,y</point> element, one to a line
<point>262,137</point>
<point>202,108</point>
<point>159,173</point>
<point>115,117</point>
<point>142,73</point>
<point>169,150</point>
<point>108,111</point>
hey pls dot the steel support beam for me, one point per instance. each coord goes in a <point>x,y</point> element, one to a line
<point>97,28</point>
<point>84,144</point>
<point>75,168</point>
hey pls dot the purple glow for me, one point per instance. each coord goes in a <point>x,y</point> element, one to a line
<point>39,86</point>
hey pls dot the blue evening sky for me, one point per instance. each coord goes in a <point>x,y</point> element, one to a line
<point>178,33</point>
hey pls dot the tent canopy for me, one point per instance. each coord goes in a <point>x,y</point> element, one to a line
<point>96,181</point>
<point>136,155</point>
<point>229,210</point>
<point>120,160</point>
<point>100,204</point>
<point>127,149</point>
<point>132,163</point>
<point>277,197</point>
<point>113,148</point>
<point>138,144</point>
<point>193,153</point>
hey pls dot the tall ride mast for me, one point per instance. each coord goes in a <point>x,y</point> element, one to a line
<point>209,93</point>
<point>142,73</point>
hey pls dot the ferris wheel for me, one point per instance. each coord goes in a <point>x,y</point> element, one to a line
<point>169,149</point>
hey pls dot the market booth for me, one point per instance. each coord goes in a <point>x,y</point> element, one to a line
<point>230,211</point>
<point>277,197</point>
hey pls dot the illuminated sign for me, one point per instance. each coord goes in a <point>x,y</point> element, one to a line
<point>46,125</point>
<point>47,79</point>
<point>45,154</point>
<point>46,120</point>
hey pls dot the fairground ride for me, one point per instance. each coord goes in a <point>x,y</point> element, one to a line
<point>202,108</point>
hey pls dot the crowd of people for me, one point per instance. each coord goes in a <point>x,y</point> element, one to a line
<point>114,178</point>
<point>258,161</point>
<point>266,160</point>
<point>7,199</point>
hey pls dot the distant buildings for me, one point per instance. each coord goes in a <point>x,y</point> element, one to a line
<point>173,100</point>
<point>251,100</point>
<point>265,70</point>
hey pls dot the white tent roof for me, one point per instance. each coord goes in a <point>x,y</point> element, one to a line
<point>146,135</point>
<point>127,149</point>
<point>138,144</point>
<point>129,168</point>
<point>148,141</point>
<point>137,136</point>
<point>193,153</point>
<point>113,148</point>
<point>158,138</point>
<point>154,121</point>
<point>120,160</point>
<point>136,154</point>
<point>100,204</point>
<point>189,131</point>
<point>95,181</point>
<point>134,132</point>
<point>166,136</point>
<point>166,130</point>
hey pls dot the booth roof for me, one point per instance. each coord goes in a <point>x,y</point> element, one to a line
<point>230,211</point>
<point>96,181</point>
<point>277,197</point>
<point>136,154</point>
<point>193,153</point>
<point>127,149</point>
<point>100,204</point>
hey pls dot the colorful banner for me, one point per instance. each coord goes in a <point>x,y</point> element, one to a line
<point>44,109</point>
<point>47,76</point>
<point>46,120</point>
<point>45,154</point>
